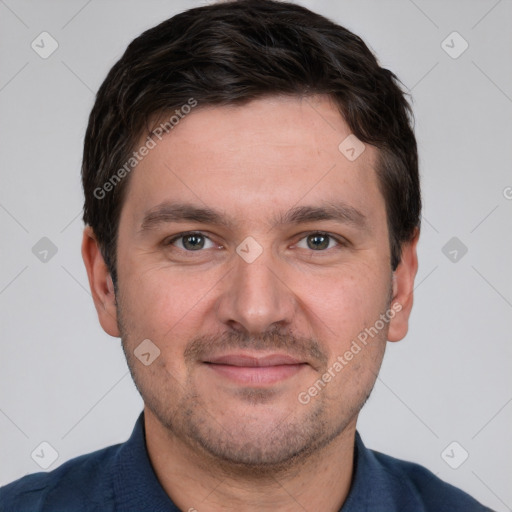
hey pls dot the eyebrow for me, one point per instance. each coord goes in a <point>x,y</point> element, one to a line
<point>340,212</point>
<point>168,212</point>
<point>180,212</point>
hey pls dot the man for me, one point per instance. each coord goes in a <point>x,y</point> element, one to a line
<point>252,210</point>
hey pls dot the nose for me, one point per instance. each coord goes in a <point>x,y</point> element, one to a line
<point>256,298</point>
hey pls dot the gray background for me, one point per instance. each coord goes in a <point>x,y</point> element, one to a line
<point>64,381</point>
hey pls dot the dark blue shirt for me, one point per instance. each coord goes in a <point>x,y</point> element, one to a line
<point>120,478</point>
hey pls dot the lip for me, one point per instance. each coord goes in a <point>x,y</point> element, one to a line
<point>254,370</point>
<point>248,360</point>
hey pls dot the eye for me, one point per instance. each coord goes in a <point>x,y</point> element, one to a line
<point>191,241</point>
<point>318,242</point>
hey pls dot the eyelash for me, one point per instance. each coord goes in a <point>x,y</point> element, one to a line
<point>340,242</point>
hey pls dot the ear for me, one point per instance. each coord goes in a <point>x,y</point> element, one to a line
<point>100,281</point>
<point>403,287</point>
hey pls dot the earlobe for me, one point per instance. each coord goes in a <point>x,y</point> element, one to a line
<point>403,290</point>
<point>100,282</point>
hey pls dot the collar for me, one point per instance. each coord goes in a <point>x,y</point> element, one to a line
<point>136,486</point>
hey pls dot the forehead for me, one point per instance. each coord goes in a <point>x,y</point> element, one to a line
<point>256,160</point>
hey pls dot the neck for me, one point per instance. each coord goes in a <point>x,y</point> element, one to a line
<point>195,481</point>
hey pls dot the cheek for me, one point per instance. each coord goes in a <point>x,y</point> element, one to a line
<point>344,303</point>
<point>151,287</point>
<point>164,304</point>
<point>345,311</point>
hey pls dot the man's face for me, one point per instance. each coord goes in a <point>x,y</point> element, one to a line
<point>253,253</point>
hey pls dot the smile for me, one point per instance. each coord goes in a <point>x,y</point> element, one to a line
<point>255,371</point>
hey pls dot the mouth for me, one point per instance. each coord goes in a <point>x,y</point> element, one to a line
<point>255,370</point>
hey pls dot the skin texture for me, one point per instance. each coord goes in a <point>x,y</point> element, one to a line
<point>218,443</point>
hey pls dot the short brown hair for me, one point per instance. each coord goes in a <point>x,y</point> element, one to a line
<point>234,52</point>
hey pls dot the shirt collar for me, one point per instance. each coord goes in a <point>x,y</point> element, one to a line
<point>136,486</point>
<point>371,488</point>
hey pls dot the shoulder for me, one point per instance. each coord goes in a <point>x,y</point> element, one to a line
<point>82,483</point>
<point>421,486</point>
